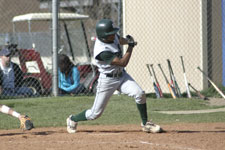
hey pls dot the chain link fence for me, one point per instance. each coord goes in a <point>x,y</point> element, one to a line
<point>163,29</point>
<point>27,32</point>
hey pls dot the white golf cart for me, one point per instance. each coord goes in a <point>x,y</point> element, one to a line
<point>34,47</point>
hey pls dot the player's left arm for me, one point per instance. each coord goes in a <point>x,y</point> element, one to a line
<point>113,59</point>
<point>129,40</point>
<point>123,41</point>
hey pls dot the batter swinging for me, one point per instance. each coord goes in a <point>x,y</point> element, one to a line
<point>111,63</point>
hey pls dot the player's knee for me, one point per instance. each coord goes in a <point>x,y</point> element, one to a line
<point>140,97</point>
<point>94,116</point>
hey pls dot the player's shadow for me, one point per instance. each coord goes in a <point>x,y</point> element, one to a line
<point>43,133</point>
<point>190,131</point>
<point>32,133</point>
<point>114,131</point>
<point>108,131</point>
<point>11,134</point>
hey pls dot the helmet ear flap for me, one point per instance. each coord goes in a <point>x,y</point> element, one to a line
<point>104,28</point>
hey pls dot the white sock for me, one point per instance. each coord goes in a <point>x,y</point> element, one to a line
<point>5,109</point>
<point>16,114</point>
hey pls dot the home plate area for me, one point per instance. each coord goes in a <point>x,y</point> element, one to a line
<point>202,136</point>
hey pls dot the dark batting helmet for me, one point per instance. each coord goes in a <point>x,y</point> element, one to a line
<point>104,28</point>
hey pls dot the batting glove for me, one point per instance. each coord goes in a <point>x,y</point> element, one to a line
<point>131,41</point>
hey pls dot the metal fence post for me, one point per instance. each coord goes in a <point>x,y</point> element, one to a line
<point>55,42</point>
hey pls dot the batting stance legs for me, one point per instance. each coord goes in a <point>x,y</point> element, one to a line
<point>106,87</point>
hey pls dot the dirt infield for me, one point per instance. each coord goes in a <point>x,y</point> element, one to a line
<point>121,137</point>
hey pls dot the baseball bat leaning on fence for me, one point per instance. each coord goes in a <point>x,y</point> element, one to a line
<point>198,93</point>
<point>173,79</point>
<point>185,78</point>
<point>156,80</point>
<point>172,92</point>
<point>154,84</point>
<point>213,84</point>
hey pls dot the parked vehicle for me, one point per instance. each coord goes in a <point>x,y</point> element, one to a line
<point>35,59</point>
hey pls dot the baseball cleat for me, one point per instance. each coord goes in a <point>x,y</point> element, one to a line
<point>71,125</point>
<point>150,127</point>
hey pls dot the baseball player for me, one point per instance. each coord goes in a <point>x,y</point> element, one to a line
<point>111,63</point>
<point>25,122</point>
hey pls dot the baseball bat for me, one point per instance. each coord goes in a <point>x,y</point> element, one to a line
<point>157,82</point>
<point>198,93</point>
<point>173,79</point>
<point>153,81</point>
<point>185,78</point>
<point>213,84</point>
<point>167,82</point>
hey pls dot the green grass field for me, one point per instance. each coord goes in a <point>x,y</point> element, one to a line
<point>53,111</point>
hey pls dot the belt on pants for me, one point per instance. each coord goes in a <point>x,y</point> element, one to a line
<point>114,75</point>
